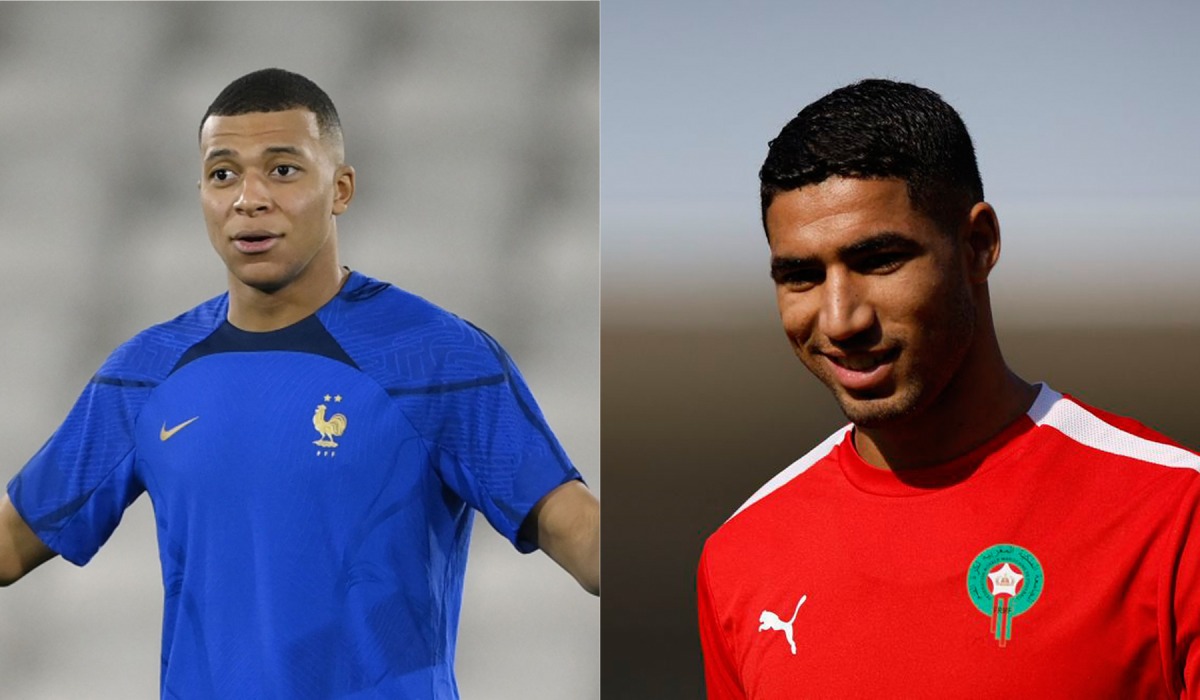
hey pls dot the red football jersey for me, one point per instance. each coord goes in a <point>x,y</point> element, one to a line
<point>1059,560</point>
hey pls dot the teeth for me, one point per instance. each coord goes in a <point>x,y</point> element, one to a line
<point>860,363</point>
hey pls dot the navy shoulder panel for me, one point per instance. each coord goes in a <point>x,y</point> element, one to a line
<point>408,344</point>
<point>307,335</point>
<point>150,356</point>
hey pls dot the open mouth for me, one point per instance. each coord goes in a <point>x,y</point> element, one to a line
<point>864,362</point>
<point>863,371</point>
<point>255,241</point>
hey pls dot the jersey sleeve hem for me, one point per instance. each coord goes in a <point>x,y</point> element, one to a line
<point>53,537</point>
<point>11,490</point>
<point>523,545</point>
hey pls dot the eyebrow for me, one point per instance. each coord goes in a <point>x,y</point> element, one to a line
<point>876,243</point>
<point>883,240</point>
<point>271,150</point>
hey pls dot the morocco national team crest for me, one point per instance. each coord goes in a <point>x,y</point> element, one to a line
<point>1004,581</point>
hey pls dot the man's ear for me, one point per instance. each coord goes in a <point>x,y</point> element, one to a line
<point>981,242</point>
<point>343,188</point>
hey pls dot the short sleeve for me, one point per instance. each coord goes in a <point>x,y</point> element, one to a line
<point>491,444</point>
<point>720,674</point>
<point>73,492</point>
<point>1179,604</point>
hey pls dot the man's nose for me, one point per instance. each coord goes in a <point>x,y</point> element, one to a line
<point>254,197</point>
<point>845,310</point>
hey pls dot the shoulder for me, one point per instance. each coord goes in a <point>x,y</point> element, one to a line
<point>815,456</point>
<point>400,337</point>
<point>779,499</point>
<point>772,526</point>
<point>150,356</point>
<point>1112,437</point>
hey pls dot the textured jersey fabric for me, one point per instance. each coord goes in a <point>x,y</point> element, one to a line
<point>313,489</point>
<point>1059,560</point>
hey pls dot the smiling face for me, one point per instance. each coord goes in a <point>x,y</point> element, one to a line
<point>876,300</point>
<point>270,188</point>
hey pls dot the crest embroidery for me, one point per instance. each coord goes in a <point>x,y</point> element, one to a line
<point>328,428</point>
<point>1004,581</point>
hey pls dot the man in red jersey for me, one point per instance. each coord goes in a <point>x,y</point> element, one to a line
<point>968,534</point>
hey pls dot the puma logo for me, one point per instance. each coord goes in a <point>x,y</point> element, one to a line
<point>770,621</point>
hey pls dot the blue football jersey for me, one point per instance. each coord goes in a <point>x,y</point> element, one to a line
<point>313,489</point>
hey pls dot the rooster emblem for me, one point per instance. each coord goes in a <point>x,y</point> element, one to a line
<point>329,429</point>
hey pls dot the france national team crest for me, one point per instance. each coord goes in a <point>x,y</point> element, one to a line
<point>328,427</point>
<point>1004,581</point>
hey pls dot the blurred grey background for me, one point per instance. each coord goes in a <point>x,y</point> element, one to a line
<point>1084,120</point>
<point>474,130</point>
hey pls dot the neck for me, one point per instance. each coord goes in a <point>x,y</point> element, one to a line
<point>980,401</point>
<point>253,309</point>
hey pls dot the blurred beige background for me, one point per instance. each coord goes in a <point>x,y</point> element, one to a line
<point>1083,116</point>
<point>474,131</point>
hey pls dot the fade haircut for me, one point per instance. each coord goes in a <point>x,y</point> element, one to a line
<point>277,90</point>
<point>879,129</point>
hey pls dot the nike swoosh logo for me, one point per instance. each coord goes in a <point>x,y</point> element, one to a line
<point>164,434</point>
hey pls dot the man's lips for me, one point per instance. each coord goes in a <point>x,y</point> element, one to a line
<point>861,371</point>
<point>254,242</point>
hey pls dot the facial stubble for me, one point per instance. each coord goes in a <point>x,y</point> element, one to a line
<point>948,339</point>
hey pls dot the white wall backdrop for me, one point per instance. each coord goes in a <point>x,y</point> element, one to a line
<point>474,128</point>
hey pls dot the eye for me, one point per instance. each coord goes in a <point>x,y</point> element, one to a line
<point>286,170</point>
<point>797,279</point>
<point>221,175</point>
<point>884,262</point>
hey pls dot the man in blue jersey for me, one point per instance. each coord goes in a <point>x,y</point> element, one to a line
<point>314,443</point>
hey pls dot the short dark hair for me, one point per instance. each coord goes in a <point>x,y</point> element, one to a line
<point>879,129</point>
<point>276,90</point>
